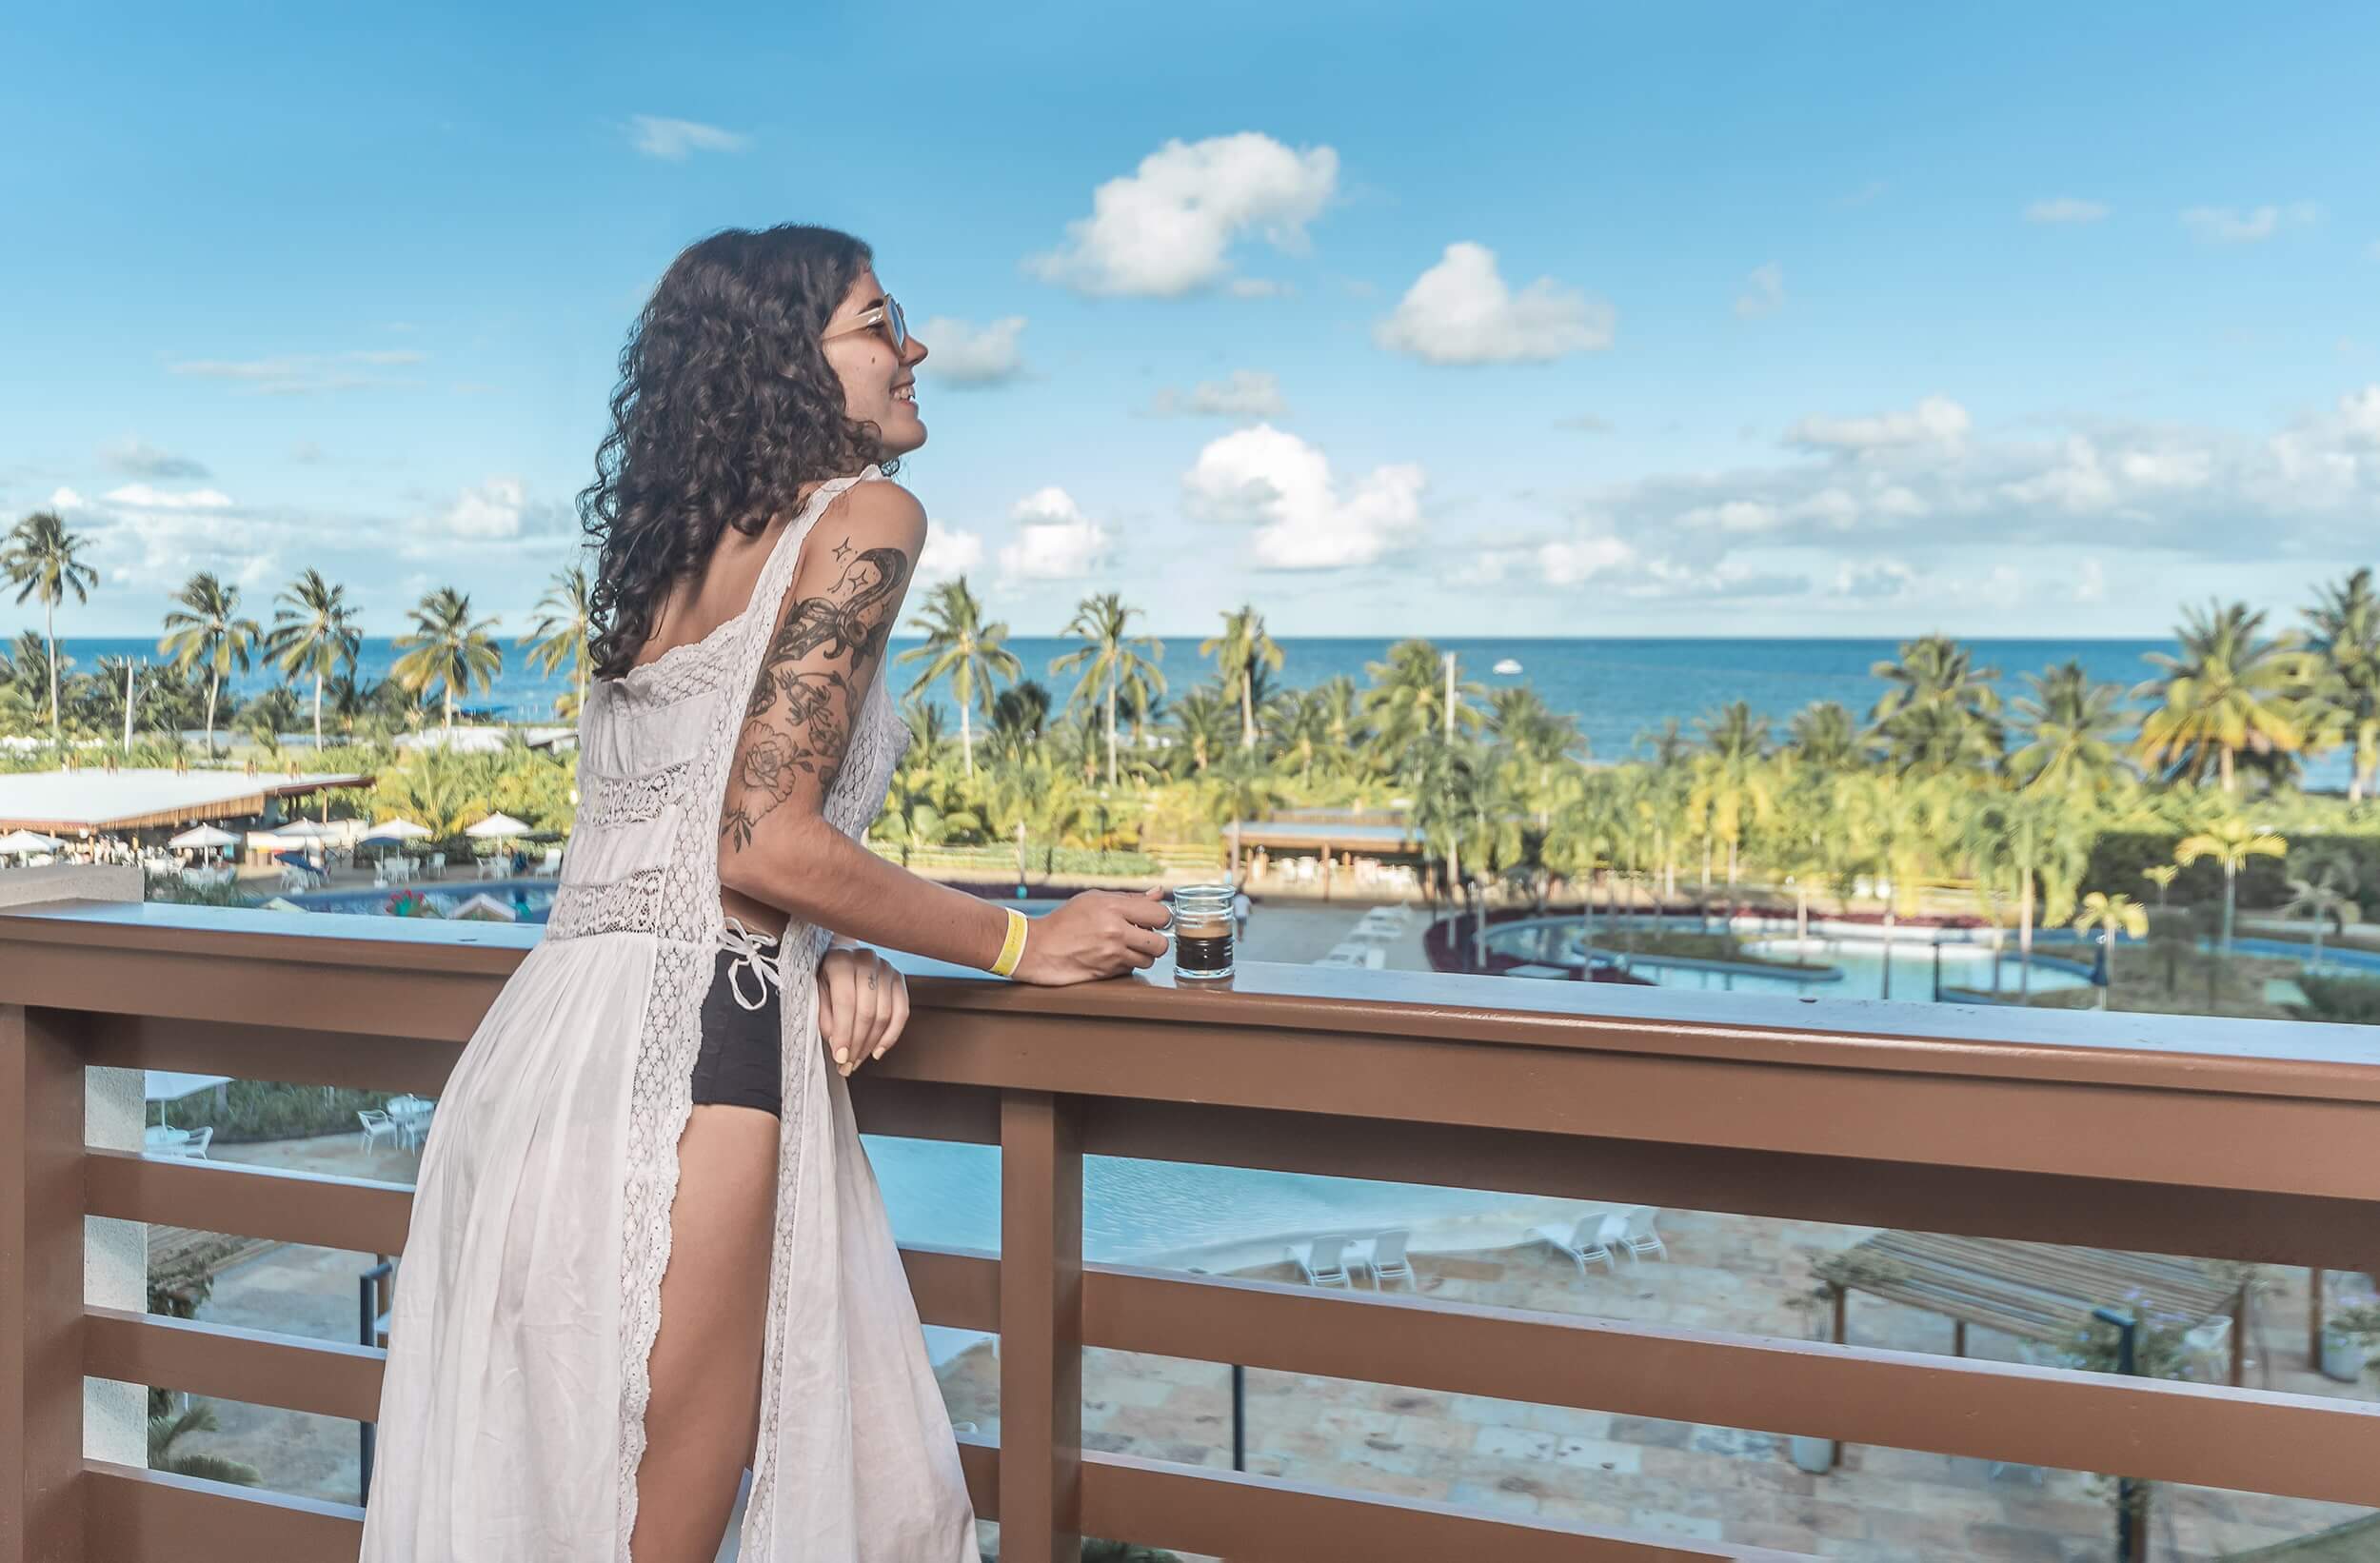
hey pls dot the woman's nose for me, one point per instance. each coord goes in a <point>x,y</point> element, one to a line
<point>915,354</point>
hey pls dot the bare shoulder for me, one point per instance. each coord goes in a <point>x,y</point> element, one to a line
<point>881,510</point>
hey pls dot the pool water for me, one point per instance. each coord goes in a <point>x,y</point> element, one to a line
<point>1853,968</point>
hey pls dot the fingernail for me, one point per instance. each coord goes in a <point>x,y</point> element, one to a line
<point>843,1055</point>
<point>878,1054</point>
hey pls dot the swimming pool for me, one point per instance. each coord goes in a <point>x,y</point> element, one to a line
<point>1845,967</point>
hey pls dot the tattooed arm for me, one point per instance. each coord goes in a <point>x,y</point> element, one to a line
<point>775,843</point>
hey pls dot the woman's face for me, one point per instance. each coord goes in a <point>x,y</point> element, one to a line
<point>880,387</point>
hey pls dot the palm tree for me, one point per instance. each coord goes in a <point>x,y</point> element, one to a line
<point>2325,891</point>
<point>960,646</point>
<point>206,628</point>
<point>313,631</point>
<point>1734,789</point>
<point>1940,712</point>
<point>2232,689</point>
<point>2346,626</point>
<point>2111,916</point>
<point>451,651</point>
<point>1883,826</point>
<point>1407,701</point>
<point>1020,719</point>
<point>1238,651</point>
<point>42,559</point>
<point>1203,719</point>
<point>1668,744</point>
<point>2162,876</point>
<point>559,637</point>
<point>2068,723</point>
<point>1824,734</point>
<point>2230,841</point>
<point>2040,842</point>
<point>1110,657</point>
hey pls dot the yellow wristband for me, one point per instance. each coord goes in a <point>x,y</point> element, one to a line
<point>1011,948</point>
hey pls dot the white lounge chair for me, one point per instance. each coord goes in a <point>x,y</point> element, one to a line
<point>193,1148</point>
<point>160,1140</point>
<point>1636,1237</point>
<point>1322,1260</point>
<point>551,863</point>
<point>1383,1255</point>
<point>377,1124</point>
<point>1592,1238</point>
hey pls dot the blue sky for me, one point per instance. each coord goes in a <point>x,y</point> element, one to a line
<point>1835,320</point>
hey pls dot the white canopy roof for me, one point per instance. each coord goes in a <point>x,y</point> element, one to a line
<point>205,835</point>
<point>29,840</point>
<point>309,830</point>
<point>397,830</point>
<point>499,825</point>
<point>151,799</point>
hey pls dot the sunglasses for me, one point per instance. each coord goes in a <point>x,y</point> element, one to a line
<point>884,314</point>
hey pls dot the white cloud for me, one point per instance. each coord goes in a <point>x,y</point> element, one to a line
<point>1249,393</point>
<point>966,355</point>
<point>1283,486</point>
<point>300,374</point>
<point>1167,229</point>
<point>1055,540</point>
<point>2091,582</point>
<point>2066,208</point>
<point>1460,312</point>
<point>674,140</point>
<point>67,499</point>
<point>1568,562</point>
<point>496,511</point>
<point>950,550</point>
<point>143,460</point>
<point>140,496</point>
<point>1935,419</point>
<point>2235,225</point>
<point>1258,288</point>
<point>1764,291</point>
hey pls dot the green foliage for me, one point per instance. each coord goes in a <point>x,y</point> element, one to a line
<point>257,1110</point>
<point>2354,1001</point>
<point>168,1428</point>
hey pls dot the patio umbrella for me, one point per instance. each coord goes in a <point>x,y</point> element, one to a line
<point>29,840</point>
<point>171,1085</point>
<point>204,836</point>
<point>397,830</point>
<point>497,824</point>
<point>308,830</point>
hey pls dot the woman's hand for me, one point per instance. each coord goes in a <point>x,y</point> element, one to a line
<point>1096,934</point>
<point>863,1005</point>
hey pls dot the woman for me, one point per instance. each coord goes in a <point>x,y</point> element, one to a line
<point>646,1247</point>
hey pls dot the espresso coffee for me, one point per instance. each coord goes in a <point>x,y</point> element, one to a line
<point>1202,948</point>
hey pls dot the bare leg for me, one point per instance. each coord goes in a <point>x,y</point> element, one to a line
<point>706,1360</point>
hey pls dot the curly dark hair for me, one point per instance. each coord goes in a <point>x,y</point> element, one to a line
<point>725,411</point>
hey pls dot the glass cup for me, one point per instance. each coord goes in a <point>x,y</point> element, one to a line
<point>1203,930</point>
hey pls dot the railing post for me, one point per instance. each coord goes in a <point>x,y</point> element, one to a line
<point>1040,1328</point>
<point>41,1288</point>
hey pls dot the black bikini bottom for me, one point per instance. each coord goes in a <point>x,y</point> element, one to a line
<point>739,1065</point>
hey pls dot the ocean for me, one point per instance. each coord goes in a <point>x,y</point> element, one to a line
<point>1616,688</point>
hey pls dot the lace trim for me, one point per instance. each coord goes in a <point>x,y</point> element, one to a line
<point>628,800</point>
<point>679,901</point>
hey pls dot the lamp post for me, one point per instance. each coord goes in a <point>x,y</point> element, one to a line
<point>2130,1533</point>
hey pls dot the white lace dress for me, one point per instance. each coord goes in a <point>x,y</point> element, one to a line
<point>512,1417</point>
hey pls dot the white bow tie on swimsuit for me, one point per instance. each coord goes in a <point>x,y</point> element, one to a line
<point>753,952</point>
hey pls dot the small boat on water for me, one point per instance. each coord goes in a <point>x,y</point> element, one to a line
<point>1508,666</point>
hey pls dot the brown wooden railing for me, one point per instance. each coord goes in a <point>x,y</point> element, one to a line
<point>2244,1142</point>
